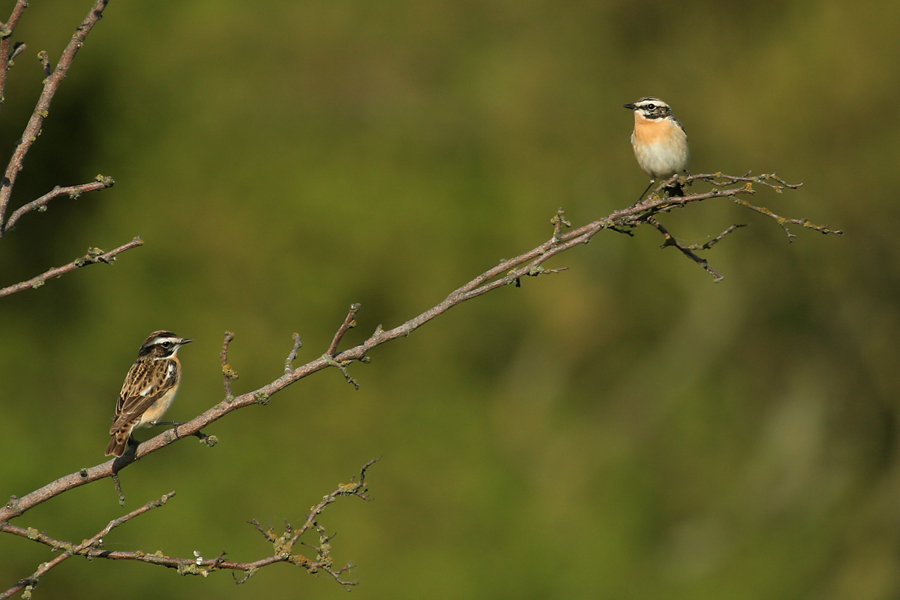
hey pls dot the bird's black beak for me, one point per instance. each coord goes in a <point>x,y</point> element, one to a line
<point>185,341</point>
<point>629,106</point>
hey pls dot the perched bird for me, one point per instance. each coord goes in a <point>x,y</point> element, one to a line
<point>659,141</point>
<point>149,388</point>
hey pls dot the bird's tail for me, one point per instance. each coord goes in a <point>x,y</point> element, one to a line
<point>119,441</point>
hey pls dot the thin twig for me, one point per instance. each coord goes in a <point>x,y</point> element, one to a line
<point>73,191</point>
<point>289,361</point>
<point>18,49</point>
<point>6,31</point>
<point>119,492</point>
<point>783,221</point>
<point>89,547</point>
<point>228,372</point>
<point>558,221</point>
<point>41,110</point>
<point>45,61</point>
<point>348,323</point>
<point>93,256</point>
<point>282,545</point>
<point>716,239</point>
<point>687,251</point>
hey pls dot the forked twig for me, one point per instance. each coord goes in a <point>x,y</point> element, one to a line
<point>282,545</point>
<point>90,547</point>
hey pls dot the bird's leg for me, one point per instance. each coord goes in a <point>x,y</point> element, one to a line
<point>645,191</point>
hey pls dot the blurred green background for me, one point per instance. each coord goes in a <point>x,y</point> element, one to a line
<point>624,430</point>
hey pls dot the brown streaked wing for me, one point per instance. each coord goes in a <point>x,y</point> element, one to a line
<point>155,375</point>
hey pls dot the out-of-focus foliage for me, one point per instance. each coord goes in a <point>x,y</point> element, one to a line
<point>625,430</point>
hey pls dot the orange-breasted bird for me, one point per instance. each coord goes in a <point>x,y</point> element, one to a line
<point>659,141</point>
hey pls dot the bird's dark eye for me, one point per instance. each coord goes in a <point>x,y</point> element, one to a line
<point>651,106</point>
<point>167,345</point>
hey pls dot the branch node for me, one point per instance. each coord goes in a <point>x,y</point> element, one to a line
<point>671,241</point>
<point>558,221</point>
<point>249,573</point>
<point>329,360</point>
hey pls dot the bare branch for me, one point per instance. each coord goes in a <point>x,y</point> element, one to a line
<point>89,547</point>
<point>6,57</point>
<point>688,250</point>
<point>507,272</point>
<point>93,256</point>
<point>283,545</point>
<point>51,85</point>
<point>73,191</point>
<point>783,221</point>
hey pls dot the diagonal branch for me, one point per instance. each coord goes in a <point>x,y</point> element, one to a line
<point>73,191</point>
<point>6,31</point>
<point>349,323</point>
<point>41,110</point>
<point>87,548</point>
<point>689,250</point>
<point>528,264</point>
<point>283,545</point>
<point>508,272</point>
<point>94,255</point>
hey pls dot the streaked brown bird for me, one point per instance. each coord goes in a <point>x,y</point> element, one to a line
<point>149,389</point>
